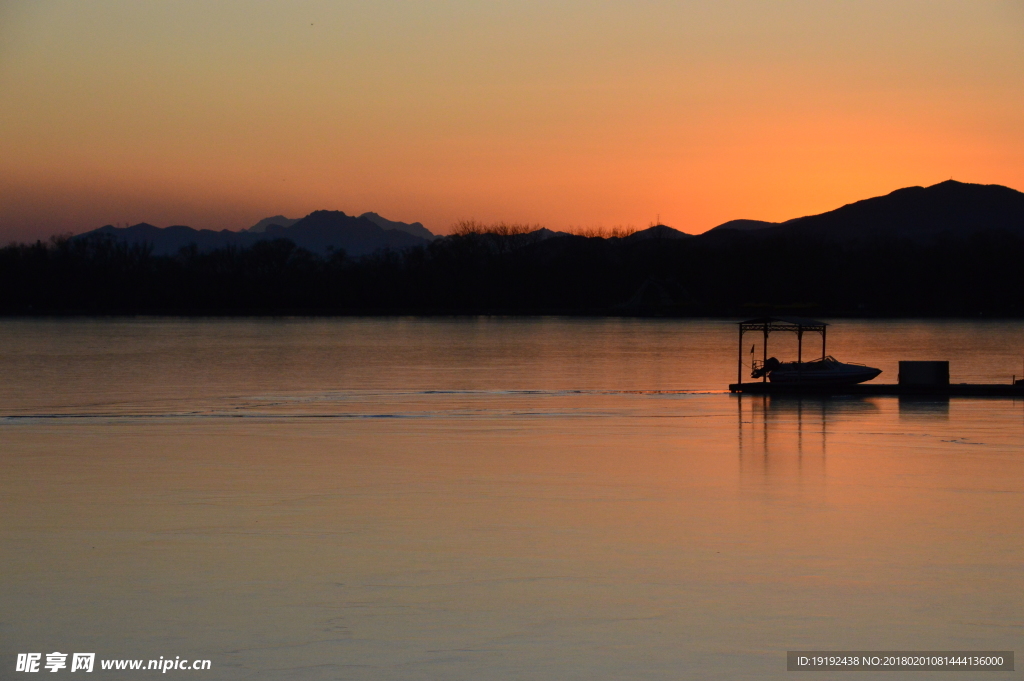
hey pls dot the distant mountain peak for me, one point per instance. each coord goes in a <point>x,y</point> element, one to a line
<point>414,228</point>
<point>742,225</point>
<point>262,225</point>
<point>657,232</point>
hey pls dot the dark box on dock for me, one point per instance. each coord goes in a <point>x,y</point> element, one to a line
<point>924,373</point>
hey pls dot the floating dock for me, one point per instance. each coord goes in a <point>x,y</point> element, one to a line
<point>950,390</point>
<point>916,378</point>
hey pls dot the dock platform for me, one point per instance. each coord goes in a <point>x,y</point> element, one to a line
<point>951,390</point>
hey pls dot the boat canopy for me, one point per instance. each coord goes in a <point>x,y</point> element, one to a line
<point>766,325</point>
<point>783,324</point>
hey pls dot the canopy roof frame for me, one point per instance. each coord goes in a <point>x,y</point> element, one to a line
<point>766,325</point>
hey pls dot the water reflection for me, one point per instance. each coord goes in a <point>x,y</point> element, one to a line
<point>924,407</point>
<point>534,506</point>
<point>779,434</point>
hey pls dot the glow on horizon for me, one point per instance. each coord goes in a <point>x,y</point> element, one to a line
<point>564,113</point>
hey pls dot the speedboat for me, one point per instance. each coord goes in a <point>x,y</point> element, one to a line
<point>824,371</point>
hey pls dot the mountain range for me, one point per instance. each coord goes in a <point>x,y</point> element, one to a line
<point>920,214</point>
<point>952,249</point>
<point>323,232</point>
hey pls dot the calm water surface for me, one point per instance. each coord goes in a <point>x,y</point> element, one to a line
<point>496,499</point>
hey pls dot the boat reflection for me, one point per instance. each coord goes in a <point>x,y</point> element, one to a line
<point>784,434</point>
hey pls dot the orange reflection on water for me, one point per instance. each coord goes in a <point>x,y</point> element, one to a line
<point>338,513</point>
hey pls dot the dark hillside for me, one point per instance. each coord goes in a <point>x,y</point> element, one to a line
<point>951,208</point>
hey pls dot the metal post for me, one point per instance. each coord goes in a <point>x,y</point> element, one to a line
<point>739,407</point>
<point>823,342</point>
<point>799,344</point>
<point>765,359</point>
<point>739,361</point>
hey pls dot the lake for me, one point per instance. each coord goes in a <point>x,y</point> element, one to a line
<point>497,498</point>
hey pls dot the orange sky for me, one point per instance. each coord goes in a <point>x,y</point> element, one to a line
<point>562,113</point>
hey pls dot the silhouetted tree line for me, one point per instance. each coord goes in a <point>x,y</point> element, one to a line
<point>725,273</point>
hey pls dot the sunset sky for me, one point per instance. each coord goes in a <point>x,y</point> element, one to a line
<point>563,113</point>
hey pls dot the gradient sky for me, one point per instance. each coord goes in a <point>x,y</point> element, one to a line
<point>563,113</point>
